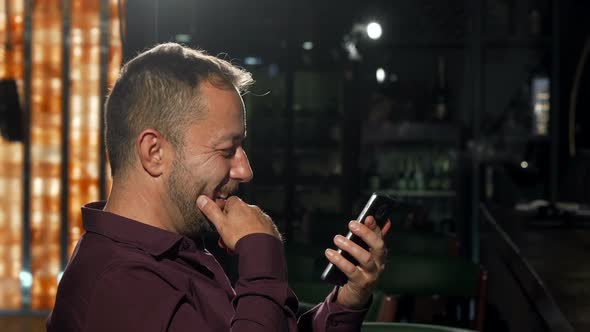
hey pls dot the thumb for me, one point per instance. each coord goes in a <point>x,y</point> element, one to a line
<point>211,211</point>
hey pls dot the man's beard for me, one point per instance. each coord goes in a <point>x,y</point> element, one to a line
<point>184,193</point>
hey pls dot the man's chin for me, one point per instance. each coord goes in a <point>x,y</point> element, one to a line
<point>198,226</point>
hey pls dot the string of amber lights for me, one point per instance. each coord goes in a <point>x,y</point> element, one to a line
<point>46,130</point>
<point>117,13</point>
<point>85,102</point>
<point>84,140</point>
<point>46,158</point>
<point>11,161</point>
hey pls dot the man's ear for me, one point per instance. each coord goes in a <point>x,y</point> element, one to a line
<point>150,147</point>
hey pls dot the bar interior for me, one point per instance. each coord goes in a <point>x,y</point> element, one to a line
<point>470,113</point>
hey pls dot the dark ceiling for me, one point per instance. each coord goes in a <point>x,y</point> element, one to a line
<point>240,28</point>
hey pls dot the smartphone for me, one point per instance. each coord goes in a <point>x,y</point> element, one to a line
<point>379,206</point>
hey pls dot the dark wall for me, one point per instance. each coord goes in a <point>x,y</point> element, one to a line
<point>575,34</point>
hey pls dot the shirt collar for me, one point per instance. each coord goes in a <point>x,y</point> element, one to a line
<point>153,240</point>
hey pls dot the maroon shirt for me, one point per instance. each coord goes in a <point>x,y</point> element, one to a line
<point>128,276</point>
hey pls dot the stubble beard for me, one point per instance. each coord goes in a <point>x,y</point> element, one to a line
<point>184,193</point>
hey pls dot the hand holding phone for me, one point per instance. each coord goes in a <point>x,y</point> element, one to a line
<point>380,207</point>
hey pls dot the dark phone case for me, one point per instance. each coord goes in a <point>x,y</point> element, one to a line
<point>380,207</point>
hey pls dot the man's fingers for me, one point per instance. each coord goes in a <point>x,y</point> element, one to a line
<point>386,228</point>
<point>340,262</point>
<point>232,202</point>
<point>371,223</point>
<point>363,278</point>
<point>362,256</point>
<point>211,211</point>
<point>371,238</point>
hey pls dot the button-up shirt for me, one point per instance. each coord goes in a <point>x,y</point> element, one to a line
<point>125,275</point>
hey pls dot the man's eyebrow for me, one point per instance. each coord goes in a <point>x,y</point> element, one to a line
<point>230,138</point>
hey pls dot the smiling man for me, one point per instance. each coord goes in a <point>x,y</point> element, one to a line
<point>175,124</point>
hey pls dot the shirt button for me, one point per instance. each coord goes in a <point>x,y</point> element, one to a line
<point>333,322</point>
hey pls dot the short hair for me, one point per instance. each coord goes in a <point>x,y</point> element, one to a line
<point>159,89</point>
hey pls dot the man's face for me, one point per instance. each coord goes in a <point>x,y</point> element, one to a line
<point>212,161</point>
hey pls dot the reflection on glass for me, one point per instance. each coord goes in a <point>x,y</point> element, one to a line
<point>11,161</point>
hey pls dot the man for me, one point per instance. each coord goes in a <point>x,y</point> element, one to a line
<point>175,126</point>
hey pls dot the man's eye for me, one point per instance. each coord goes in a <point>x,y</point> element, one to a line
<point>229,152</point>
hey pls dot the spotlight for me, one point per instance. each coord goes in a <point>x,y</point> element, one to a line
<point>380,75</point>
<point>374,30</point>
<point>183,38</point>
<point>524,164</point>
<point>252,61</point>
<point>308,45</point>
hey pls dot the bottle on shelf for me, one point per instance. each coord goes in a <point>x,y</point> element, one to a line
<point>400,183</point>
<point>446,173</point>
<point>535,22</point>
<point>373,177</point>
<point>540,102</point>
<point>441,108</point>
<point>419,175</point>
<point>434,182</point>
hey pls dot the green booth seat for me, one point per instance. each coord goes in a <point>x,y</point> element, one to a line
<point>428,275</point>
<point>415,275</point>
<point>407,327</point>
<point>422,243</point>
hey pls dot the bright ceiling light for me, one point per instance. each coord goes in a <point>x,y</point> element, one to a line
<point>380,75</point>
<point>308,45</point>
<point>183,38</point>
<point>374,30</point>
<point>252,61</point>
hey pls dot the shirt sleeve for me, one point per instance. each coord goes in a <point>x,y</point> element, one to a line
<point>263,300</point>
<point>330,316</point>
<point>263,297</point>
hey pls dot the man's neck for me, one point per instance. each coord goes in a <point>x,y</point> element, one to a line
<point>141,203</point>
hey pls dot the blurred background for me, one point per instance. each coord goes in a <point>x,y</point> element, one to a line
<point>471,111</point>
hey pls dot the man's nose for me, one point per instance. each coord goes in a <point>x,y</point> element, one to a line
<point>241,169</point>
